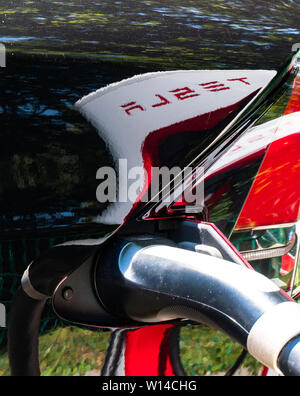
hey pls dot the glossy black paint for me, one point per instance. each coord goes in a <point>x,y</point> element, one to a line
<point>49,153</point>
<point>222,34</point>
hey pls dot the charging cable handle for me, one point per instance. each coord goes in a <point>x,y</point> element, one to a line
<point>162,283</point>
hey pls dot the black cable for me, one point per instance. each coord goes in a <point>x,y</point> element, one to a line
<point>237,364</point>
<point>175,351</point>
<point>45,274</point>
<point>176,360</point>
<point>23,334</point>
<point>113,361</point>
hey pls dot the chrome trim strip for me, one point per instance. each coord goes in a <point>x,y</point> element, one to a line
<point>267,227</point>
<point>267,253</point>
<point>266,243</point>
